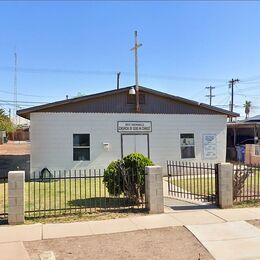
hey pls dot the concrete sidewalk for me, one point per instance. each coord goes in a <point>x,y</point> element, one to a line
<point>13,251</point>
<point>177,218</point>
<point>229,240</point>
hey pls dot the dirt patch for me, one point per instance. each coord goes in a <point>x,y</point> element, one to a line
<point>248,204</point>
<point>14,148</point>
<point>163,243</point>
<point>80,217</point>
<point>14,156</point>
<point>255,222</point>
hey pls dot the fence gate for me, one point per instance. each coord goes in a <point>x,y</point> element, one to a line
<point>193,181</point>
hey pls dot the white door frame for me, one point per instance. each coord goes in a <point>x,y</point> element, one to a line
<point>148,143</point>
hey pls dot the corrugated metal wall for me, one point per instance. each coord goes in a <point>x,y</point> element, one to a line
<point>117,103</point>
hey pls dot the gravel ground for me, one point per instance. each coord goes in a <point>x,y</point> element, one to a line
<point>164,243</point>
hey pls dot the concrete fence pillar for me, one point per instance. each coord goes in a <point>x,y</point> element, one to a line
<point>16,197</point>
<point>154,189</point>
<point>225,185</point>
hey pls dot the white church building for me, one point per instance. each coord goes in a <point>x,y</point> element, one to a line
<point>91,131</point>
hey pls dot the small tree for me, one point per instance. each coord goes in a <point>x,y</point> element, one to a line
<point>247,107</point>
<point>126,176</point>
<point>5,122</point>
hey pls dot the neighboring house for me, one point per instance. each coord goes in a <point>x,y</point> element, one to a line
<point>93,130</point>
<point>240,133</point>
<point>252,154</point>
<point>20,134</point>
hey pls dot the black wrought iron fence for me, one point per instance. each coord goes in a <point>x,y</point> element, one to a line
<point>192,180</point>
<point>246,182</point>
<point>74,191</point>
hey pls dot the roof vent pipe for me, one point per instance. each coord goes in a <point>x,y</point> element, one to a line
<point>117,79</point>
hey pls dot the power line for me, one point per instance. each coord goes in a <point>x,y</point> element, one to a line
<point>97,72</point>
<point>253,87</point>
<point>253,78</point>
<point>23,102</point>
<point>26,95</point>
<point>198,93</point>
<point>249,83</point>
<point>12,104</point>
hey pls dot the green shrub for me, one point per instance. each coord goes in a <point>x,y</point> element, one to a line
<point>111,178</point>
<point>127,176</point>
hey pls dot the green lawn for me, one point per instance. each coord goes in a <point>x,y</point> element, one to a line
<point>3,189</point>
<point>198,186</point>
<point>74,195</point>
<point>201,186</point>
<point>63,193</point>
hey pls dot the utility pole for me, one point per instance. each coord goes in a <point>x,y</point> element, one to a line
<point>118,80</point>
<point>210,94</point>
<point>135,48</point>
<point>15,88</point>
<point>232,83</point>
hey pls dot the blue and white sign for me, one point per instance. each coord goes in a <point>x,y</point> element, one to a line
<point>209,142</point>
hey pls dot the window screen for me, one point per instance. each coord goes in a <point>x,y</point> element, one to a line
<point>187,146</point>
<point>81,147</point>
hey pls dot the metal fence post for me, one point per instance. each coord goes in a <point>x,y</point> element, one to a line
<point>16,181</point>
<point>154,189</point>
<point>216,169</point>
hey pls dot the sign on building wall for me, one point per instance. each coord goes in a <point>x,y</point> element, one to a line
<point>209,146</point>
<point>134,126</point>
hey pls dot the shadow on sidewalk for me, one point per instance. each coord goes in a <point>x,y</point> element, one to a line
<point>193,207</point>
<point>177,204</point>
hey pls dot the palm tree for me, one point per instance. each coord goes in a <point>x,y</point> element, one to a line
<point>247,107</point>
<point>2,112</point>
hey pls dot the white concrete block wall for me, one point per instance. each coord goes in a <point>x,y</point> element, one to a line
<point>52,137</point>
<point>154,189</point>
<point>16,197</point>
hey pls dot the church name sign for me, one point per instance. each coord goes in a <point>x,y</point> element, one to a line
<point>134,126</point>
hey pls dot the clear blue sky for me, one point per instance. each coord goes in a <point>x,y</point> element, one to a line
<point>186,47</point>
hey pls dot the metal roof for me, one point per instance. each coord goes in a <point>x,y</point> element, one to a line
<point>116,92</point>
<point>253,119</point>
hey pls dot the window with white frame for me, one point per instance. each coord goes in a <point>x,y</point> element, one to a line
<point>187,146</point>
<point>81,147</point>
